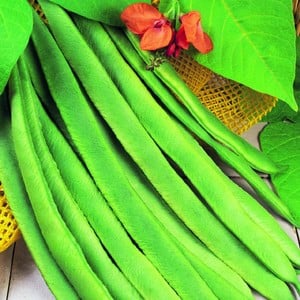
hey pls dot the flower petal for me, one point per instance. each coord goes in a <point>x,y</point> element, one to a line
<point>156,38</point>
<point>202,42</point>
<point>194,33</point>
<point>190,22</point>
<point>139,17</point>
<point>181,40</point>
<point>171,49</point>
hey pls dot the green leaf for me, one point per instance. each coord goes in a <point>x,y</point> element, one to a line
<point>281,142</point>
<point>105,11</point>
<point>282,111</point>
<point>15,30</point>
<point>254,43</point>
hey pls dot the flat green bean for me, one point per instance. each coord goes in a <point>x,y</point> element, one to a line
<point>225,195</point>
<point>131,261</point>
<point>21,207</point>
<point>155,243</point>
<point>76,221</point>
<point>232,159</point>
<point>67,254</point>
<point>122,127</point>
<point>167,74</point>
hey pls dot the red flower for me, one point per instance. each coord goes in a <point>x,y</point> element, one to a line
<point>191,32</point>
<point>177,43</point>
<point>153,27</point>
<point>156,31</point>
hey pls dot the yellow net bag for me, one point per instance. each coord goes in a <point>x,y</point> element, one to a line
<point>35,5</point>
<point>236,105</point>
<point>296,9</point>
<point>9,231</point>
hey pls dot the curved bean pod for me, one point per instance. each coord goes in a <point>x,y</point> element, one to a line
<point>218,276</point>
<point>96,256</point>
<point>131,261</point>
<point>19,202</point>
<point>150,114</point>
<point>96,91</point>
<point>235,161</point>
<point>156,244</point>
<point>206,119</point>
<point>67,254</point>
<point>111,232</point>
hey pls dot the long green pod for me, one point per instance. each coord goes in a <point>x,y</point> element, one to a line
<point>41,87</point>
<point>224,197</point>
<point>235,161</point>
<point>156,243</point>
<point>39,83</point>
<point>122,120</point>
<point>61,243</point>
<point>35,72</point>
<point>269,285</point>
<point>112,234</point>
<point>167,74</point>
<point>123,127</point>
<point>261,216</point>
<point>254,209</point>
<point>240,165</point>
<point>21,207</point>
<point>206,263</point>
<point>225,283</point>
<point>130,260</point>
<point>96,256</point>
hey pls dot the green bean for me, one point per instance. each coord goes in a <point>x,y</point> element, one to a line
<point>129,131</point>
<point>206,119</point>
<point>225,283</point>
<point>36,73</point>
<point>61,243</point>
<point>222,199</point>
<point>96,256</point>
<point>130,260</point>
<point>154,242</point>
<point>206,263</point>
<point>41,87</point>
<point>239,164</point>
<point>20,205</point>
<point>254,209</point>
<point>233,160</point>
<point>260,216</point>
<point>39,83</point>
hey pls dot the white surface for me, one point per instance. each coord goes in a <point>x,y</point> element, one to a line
<point>5,267</point>
<point>26,281</point>
<point>20,279</point>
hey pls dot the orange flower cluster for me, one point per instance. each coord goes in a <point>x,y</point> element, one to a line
<point>156,30</point>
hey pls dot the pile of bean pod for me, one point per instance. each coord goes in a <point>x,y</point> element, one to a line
<point>114,194</point>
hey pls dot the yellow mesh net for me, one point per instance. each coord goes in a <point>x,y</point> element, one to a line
<point>9,231</point>
<point>35,5</point>
<point>236,105</point>
<point>296,9</point>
